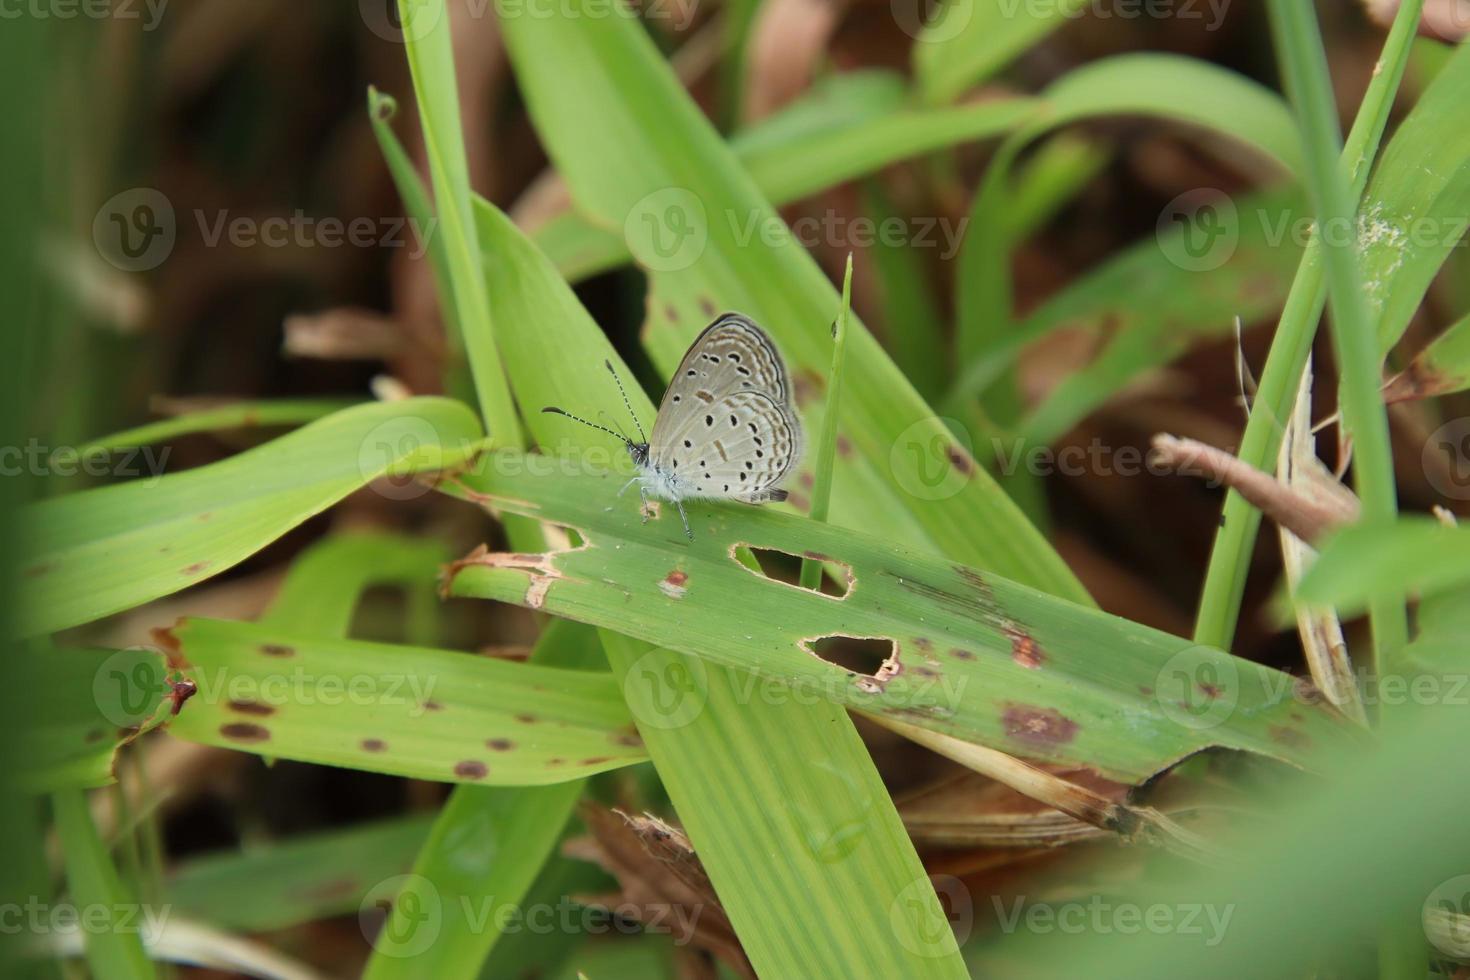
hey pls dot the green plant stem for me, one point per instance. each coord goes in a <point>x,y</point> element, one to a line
<point>1225,577</point>
<point>811,569</point>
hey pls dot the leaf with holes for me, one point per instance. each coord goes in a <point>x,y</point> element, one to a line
<point>428,714</point>
<point>970,654</point>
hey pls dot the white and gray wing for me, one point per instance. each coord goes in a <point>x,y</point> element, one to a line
<point>731,354</point>
<point>739,445</point>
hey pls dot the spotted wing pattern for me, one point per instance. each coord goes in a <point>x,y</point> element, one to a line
<point>726,427</point>
<point>741,445</point>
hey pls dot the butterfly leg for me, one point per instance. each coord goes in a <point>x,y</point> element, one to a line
<point>628,484</point>
<point>643,503</point>
<point>684,517</point>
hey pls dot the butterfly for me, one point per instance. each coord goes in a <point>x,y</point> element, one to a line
<point>725,430</point>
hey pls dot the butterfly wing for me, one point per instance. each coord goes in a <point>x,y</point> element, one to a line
<point>731,354</point>
<point>739,446</point>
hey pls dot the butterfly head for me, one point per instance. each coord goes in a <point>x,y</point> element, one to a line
<point>638,451</point>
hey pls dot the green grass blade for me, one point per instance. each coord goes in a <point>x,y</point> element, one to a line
<point>428,714</point>
<point>101,551</point>
<point>970,40</point>
<point>811,569</point>
<point>637,153</point>
<point>977,657</point>
<point>285,884</point>
<point>74,708</point>
<point>1417,205</point>
<point>913,327</point>
<point>1147,309</point>
<point>1441,368</point>
<point>1372,561</point>
<point>238,415</point>
<point>694,741</point>
<point>430,51</point>
<point>485,850</point>
<point>1281,378</point>
<point>115,944</point>
<point>848,126</point>
<point>1304,67</point>
<point>1162,86</point>
<point>325,582</point>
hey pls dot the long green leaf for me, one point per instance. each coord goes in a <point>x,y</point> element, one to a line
<point>236,415</point>
<point>429,714</point>
<point>74,708</point>
<point>975,656</point>
<point>426,33</point>
<point>115,944</point>
<point>969,40</point>
<point>1417,205</point>
<point>101,551</point>
<point>847,126</point>
<point>1370,561</point>
<point>300,880</point>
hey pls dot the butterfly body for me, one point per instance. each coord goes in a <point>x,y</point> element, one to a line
<point>725,429</point>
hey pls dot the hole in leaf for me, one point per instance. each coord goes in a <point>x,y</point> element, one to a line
<point>785,567</point>
<point>873,659</point>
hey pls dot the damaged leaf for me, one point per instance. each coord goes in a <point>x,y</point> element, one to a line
<point>978,657</point>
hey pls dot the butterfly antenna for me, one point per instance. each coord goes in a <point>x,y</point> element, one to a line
<point>626,404</point>
<point>553,410</point>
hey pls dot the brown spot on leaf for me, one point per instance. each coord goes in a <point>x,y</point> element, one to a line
<point>1211,691</point>
<point>95,735</point>
<point>527,719</point>
<point>242,731</point>
<point>277,650</point>
<point>556,762</point>
<point>960,654</point>
<point>923,644</point>
<point>1145,690</point>
<point>844,446</point>
<point>471,769</point>
<point>671,314</point>
<point>1038,726</point>
<point>38,570</point>
<point>628,737</point>
<point>808,384</point>
<point>432,706</point>
<point>194,569</point>
<point>252,708</point>
<point>799,501</point>
<point>807,480</point>
<point>960,459</point>
<point>500,744</point>
<point>373,745</point>
<point>167,640</point>
<point>673,584</point>
<point>707,305</point>
<point>597,760</point>
<point>1025,650</point>
<point>1289,737</point>
<point>206,515</point>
